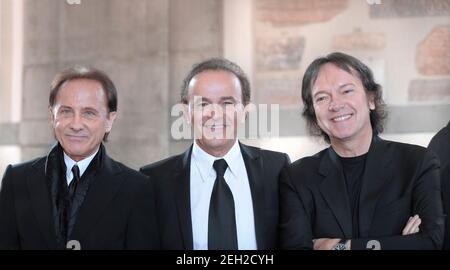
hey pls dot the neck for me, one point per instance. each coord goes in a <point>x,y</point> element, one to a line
<point>353,147</point>
<point>219,151</point>
<point>80,158</point>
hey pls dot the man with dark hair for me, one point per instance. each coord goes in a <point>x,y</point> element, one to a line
<point>220,194</point>
<point>440,145</point>
<point>77,197</point>
<point>362,192</point>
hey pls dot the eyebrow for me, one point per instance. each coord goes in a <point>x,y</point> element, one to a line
<point>319,92</point>
<point>89,109</point>
<point>347,84</point>
<point>202,99</point>
<point>340,87</point>
<point>83,109</point>
<point>227,98</point>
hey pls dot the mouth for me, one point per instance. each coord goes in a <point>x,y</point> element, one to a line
<point>217,131</point>
<point>75,137</point>
<point>341,118</point>
<point>216,126</point>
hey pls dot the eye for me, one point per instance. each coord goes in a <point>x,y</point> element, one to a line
<point>320,99</point>
<point>348,91</point>
<point>200,105</point>
<point>89,113</point>
<point>65,111</point>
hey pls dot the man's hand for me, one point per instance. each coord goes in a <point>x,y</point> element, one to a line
<point>325,243</point>
<point>412,226</point>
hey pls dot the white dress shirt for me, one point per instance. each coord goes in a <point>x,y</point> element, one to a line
<point>202,181</point>
<point>82,165</point>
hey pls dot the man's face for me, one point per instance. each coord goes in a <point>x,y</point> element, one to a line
<point>341,105</point>
<point>80,117</point>
<point>215,109</point>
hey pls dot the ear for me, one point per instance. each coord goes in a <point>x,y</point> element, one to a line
<point>187,113</point>
<point>371,101</point>
<point>246,110</point>
<point>110,121</point>
<point>52,116</point>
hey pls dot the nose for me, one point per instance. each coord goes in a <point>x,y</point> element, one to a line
<point>336,104</point>
<point>76,123</point>
<point>213,111</point>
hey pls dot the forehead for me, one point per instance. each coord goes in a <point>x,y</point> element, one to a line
<point>81,90</point>
<point>331,76</point>
<point>331,73</point>
<point>215,83</point>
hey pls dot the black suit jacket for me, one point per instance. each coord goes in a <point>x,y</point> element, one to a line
<point>440,144</point>
<point>445,185</point>
<point>118,211</point>
<point>171,178</point>
<point>400,180</point>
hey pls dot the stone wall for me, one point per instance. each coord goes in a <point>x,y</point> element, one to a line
<point>145,46</point>
<point>128,40</point>
<point>405,42</point>
<point>195,35</point>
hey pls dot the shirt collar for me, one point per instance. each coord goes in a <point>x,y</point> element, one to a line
<point>205,161</point>
<point>82,164</point>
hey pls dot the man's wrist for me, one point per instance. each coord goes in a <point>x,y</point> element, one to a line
<point>342,245</point>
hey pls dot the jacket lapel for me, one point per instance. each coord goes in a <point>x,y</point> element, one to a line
<point>334,191</point>
<point>377,164</point>
<point>254,167</point>
<point>41,202</point>
<point>181,185</point>
<point>103,188</point>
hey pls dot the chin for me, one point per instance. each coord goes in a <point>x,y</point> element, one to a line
<point>76,147</point>
<point>342,136</point>
<point>216,143</point>
<point>343,133</point>
<point>75,152</point>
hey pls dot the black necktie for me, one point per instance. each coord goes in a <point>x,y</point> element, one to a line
<point>74,183</point>
<point>222,222</point>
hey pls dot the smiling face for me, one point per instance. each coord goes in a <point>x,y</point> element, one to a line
<point>215,109</point>
<point>80,117</point>
<point>341,105</point>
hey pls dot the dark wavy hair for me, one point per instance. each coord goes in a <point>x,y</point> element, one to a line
<point>351,65</point>
<point>217,64</point>
<point>81,72</point>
